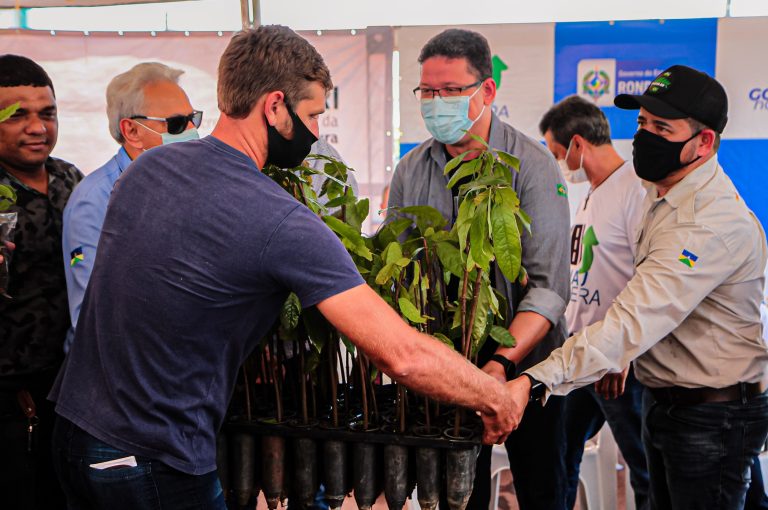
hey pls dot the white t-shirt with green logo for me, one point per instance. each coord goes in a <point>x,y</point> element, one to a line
<point>603,246</point>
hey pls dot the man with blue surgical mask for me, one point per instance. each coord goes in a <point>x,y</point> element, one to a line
<point>456,92</point>
<point>146,108</point>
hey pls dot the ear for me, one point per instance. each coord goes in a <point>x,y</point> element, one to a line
<point>489,91</point>
<point>129,130</point>
<point>707,143</point>
<point>271,103</point>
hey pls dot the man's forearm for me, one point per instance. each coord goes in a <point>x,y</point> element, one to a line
<point>528,328</point>
<point>416,360</point>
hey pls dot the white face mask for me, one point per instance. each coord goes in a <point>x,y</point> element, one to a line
<point>573,176</point>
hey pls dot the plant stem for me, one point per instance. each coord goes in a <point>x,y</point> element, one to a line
<point>475,299</point>
<point>247,394</point>
<point>303,384</point>
<point>401,407</point>
<point>363,389</point>
<point>333,346</point>
<point>276,384</point>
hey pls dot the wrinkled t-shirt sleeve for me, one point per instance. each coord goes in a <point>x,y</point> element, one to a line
<point>306,257</point>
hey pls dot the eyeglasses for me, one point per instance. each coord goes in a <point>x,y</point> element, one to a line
<point>425,93</point>
<point>177,123</point>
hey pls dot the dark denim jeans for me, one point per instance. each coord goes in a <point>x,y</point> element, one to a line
<point>535,453</point>
<point>584,415</point>
<point>699,456</point>
<point>151,485</point>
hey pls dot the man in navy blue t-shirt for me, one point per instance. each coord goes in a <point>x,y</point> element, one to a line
<point>198,252</point>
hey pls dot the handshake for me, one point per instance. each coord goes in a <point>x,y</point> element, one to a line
<point>507,405</point>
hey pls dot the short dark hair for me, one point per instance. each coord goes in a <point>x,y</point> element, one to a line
<point>18,71</point>
<point>459,43</point>
<point>264,59</point>
<point>575,115</point>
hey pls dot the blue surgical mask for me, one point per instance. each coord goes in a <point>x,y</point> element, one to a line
<point>447,118</point>
<point>168,138</point>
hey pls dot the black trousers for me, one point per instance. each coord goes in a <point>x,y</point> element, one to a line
<point>27,478</point>
<point>536,453</point>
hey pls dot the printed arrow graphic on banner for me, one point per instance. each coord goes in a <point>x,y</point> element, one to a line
<point>499,66</point>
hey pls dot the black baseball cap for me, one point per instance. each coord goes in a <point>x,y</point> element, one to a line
<point>681,92</point>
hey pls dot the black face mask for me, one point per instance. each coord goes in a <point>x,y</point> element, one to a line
<point>285,153</point>
<point>655,157</point>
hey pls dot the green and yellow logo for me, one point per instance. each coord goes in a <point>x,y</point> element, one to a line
<point>688,258</point>
<point>562,190</point>
<point>661,83</point>
<point>596,83</point>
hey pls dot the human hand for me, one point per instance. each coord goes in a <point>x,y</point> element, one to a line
<point>515,397</point>
<point>10,246</point>
<point>611,386</point>
<point>495,370</point>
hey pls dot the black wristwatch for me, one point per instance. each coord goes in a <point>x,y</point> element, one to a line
<point>510,369</point>
<point>537,388</point>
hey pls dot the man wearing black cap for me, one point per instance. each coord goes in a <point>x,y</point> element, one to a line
<point>690,316</point>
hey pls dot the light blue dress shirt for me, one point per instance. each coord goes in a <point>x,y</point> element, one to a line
<point>83,219</point>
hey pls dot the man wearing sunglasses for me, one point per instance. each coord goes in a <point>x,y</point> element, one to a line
<point>146,108</point>
<point>455,93</point>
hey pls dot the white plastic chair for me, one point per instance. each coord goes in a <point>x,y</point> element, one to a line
<point>499,462</point>
<point>764,469</point>
<point>597,478</point>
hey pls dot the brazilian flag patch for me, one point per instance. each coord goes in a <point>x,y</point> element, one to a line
<point>76,256</point>
<point>688,258</point>
<point>562,190</point>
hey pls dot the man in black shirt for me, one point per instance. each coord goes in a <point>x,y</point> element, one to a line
<point>34,322</point>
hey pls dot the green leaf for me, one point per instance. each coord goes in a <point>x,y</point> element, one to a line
<point>410,311</point>
<point>509,160</point>
<point>444,339</point>
<point>7,197</point>
<point>349,236</point>
<point>357,213</point>
<point>392,252</point>
<point>491,299</point>
<point>7,112</point>
<point>339,201</point>
<point>509,197</point>
<point>289,314</point>
<point>450,258</point>
<point>387,272</point>
<point>502,336</point>
<point>478,234</point>
<point>391,231</point>
<point>506,240</point>
<point>453,163</point>
<point>478,139</point>
<point>524,219</point>
<point>425,216</point>
<point>468,168</point>
<point>402,262</point>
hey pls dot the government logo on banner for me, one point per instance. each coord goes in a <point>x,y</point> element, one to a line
<point>596,80</point>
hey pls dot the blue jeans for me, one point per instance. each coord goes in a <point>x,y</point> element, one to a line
<point>584,415</point>
<point>699,456</point>
<point>151,485</point>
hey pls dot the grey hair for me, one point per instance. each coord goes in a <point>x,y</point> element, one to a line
<point>125,93</point>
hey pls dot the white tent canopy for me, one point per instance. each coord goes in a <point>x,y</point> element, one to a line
<point>6,4</point>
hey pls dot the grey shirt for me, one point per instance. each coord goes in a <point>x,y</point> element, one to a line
<point>419,180</point>
<point>690,315</point>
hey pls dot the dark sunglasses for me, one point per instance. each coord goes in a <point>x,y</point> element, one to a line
<point>178,123</point>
